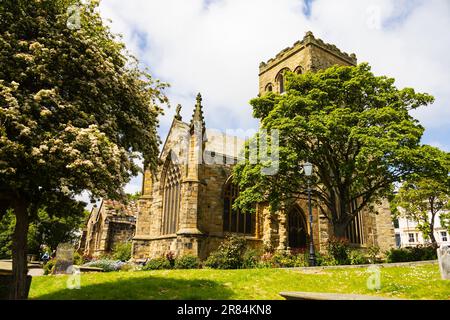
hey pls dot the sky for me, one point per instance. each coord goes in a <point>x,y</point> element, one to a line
<point>215,46</point>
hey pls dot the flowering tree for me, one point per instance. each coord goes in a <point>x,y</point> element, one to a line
<point>75,112</point>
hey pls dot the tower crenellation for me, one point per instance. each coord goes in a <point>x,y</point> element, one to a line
<point>308,39</point>
<point>308,54</point>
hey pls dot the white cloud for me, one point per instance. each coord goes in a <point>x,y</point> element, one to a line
<point>411,45</point>
<point>215,47</point>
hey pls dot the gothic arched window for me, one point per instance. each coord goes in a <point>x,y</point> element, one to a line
<point>171,198</point>
<point>269,87</point>
<point>235,220</point>
<point>280,80</point>
<point>298,70</point>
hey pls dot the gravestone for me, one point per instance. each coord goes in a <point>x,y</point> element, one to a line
<point>64,259</point>
<point>444,261</point>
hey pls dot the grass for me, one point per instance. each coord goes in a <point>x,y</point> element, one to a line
<point>411,282</point>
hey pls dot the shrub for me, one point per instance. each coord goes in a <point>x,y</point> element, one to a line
<point>106,264</point>
<point>157,264</point>
<point>217,260</point>
<point>358,257</point>
<point>229,255</point>
<point>373,252</point>
<point>325,260</point>
<point>266,260</point>
<point>104,256</point>
<point>409,254</point>
<point>251,258</point>
<point>170,256</point>
<point>287,260</point>
<point>424,253</point>
<point>122,251</point>
<point>77,259</point>
<point>187,262</point>
<point>397,255</point>
<point>49,266</point>
<point>338,248</point>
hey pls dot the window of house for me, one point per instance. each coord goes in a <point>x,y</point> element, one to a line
<point>398,240</point>
<point>171,198</point>
<point>411,237</point>
<point>444,237</point>
<point>396,224</point>
<point>235,220</point>
<point>269,87</point>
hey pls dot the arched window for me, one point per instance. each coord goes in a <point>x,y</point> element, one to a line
<point>280,80</point>
<point>269,87</point>
<point>298,70</point>
<point>235,220</point>
<point>171,198</point>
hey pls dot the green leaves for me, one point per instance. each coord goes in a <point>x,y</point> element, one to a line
<point>425,195</point>
<point>74,106</point>
<point>352,125</point>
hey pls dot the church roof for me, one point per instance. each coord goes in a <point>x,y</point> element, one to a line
<point>224,144</point>
<point>116,208</point>
<point>216,142</point>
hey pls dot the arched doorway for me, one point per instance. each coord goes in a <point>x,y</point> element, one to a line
<point>297,231</point>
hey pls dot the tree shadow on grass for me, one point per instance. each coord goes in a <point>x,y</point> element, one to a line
<point>143,288</point>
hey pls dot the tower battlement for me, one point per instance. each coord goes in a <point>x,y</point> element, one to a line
<point>308,54</point>
<point>307,40</point>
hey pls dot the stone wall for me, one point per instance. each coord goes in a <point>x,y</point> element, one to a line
<point>385,233</point>
<point>120,232</point>
<point>110,224</point>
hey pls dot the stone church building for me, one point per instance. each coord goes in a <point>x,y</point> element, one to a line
<point>186,204</point>
<point>109,224</point>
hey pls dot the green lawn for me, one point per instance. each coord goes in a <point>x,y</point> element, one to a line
<point>418,282</point>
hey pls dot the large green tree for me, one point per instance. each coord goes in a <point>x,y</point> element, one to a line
<point>76,111</point>
<point>353,126</point>
<point>425,196</point>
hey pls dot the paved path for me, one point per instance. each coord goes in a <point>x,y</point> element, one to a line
<point>33,270</point>
<point>36,272</point>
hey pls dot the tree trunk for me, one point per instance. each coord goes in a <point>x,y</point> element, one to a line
<point>433,239</point>
<point>433,216</point>
<point>431,231</point>
<point>20,265</point>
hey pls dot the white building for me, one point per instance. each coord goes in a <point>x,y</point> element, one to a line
<point>408,235</point>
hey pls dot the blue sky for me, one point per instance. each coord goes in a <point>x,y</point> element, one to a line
<point>215,46</point>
